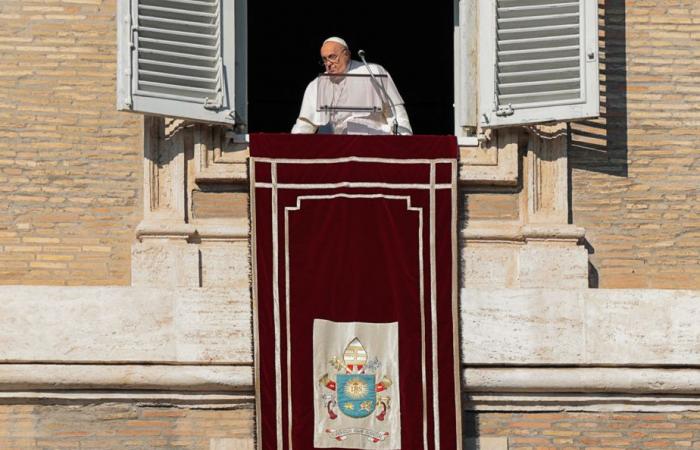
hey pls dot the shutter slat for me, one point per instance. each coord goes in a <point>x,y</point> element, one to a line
<point>526,3</point>
<point>529,99</point>
<point>538,21</point>
<point>176,57</point>
<point>537,75</point>
<point>530,10</point>
<point>191,92</point>
<point>178,69</point>
<point>539,43</point>
<point>535,32</point>
<point>178,47</point>
<point>180,25</point>
<point>179,36</point>
<point>178,14</point>
<point>180,78</point>
<point>545,63</point>
<point>203,83</point>
<point>539,86</point>
<point>183,5</point>
<point>538,54</point>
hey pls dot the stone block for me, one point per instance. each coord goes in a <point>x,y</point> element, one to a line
<point>489,264</point>
<point>125,324</point>
<point>165,262</point>
<point>225,263</point>
<point>552,264</point>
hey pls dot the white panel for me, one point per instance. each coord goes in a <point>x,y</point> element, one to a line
<point>466,75</point>
<point>538,61</point>
<point>179,58</point>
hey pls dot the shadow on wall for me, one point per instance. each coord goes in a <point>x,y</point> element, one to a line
<point>600,145</point>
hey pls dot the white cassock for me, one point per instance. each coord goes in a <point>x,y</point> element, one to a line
<point>311,120</point>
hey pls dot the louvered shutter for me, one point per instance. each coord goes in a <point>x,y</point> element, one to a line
<point>182,58</point>
<point>538,61</point>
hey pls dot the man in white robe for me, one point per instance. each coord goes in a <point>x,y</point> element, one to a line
<point>335,55</point>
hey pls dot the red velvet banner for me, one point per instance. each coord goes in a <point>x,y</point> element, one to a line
<point>355,299</point>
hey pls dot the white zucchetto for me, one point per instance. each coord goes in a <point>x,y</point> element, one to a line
<point>337,40</point>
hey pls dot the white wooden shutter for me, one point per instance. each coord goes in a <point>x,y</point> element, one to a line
<point>538,61</point>
<point>182,58</point>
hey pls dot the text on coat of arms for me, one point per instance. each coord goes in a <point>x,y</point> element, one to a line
<point>351,387</point>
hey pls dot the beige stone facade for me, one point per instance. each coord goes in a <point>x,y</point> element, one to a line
<point>154,212</point>
<point>635,172</point>
<point>70,165</point>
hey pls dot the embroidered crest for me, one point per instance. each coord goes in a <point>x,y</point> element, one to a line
<point>355,391</point>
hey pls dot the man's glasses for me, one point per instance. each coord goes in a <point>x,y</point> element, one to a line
<point>333,58</point>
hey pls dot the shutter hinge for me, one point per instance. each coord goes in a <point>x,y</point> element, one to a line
<point>215,103</point>
<point>505,110</point>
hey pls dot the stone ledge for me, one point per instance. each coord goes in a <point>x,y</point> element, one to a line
<point>631,380</point>
<point>141,377</point>
<point>513,340</point>
<point>505,231</point>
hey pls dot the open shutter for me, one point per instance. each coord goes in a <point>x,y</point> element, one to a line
<point>538,61</point>
<point>182,58</point>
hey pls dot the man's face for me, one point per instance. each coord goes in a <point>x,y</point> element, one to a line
<point>335,57</point>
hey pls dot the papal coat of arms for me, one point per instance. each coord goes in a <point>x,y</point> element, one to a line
<point>352,388</point>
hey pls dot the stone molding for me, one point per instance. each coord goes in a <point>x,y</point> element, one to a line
<point>238,379</point>
<point>181,155</point>
<point>515,231</point>
<point>517,345</point>
<point>182,378</point>
<point>616,380</point>
<point>579,402</point>
<point>494,162</point>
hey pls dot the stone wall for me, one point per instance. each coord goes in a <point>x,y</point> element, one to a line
<point>592,431</point>
<point>122,426</point>
<point>636,172</point>
<point>70,164</point>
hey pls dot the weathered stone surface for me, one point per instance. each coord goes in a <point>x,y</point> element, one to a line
<point>515,326</point>
<point>119,324</point>
<point>623,330</point>
<point>490,264</point>
<point>225,264</point>
<point>604,327</point>
<point>166,263</point>
<point>546,263</point>
<point>502,326</point>
<point>514,261</point>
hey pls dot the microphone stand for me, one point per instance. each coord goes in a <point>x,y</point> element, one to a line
<point>395,124</point>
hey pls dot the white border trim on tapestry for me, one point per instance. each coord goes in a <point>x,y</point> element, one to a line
<point>421,292</point>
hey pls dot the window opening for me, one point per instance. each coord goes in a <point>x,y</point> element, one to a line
<point>413,42</point>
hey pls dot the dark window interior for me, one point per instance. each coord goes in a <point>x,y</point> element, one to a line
<point>413,42</point>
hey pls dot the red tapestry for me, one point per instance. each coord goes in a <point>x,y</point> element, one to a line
<point>354,251</point>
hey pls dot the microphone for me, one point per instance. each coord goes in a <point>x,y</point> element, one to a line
<point>395,124</point>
